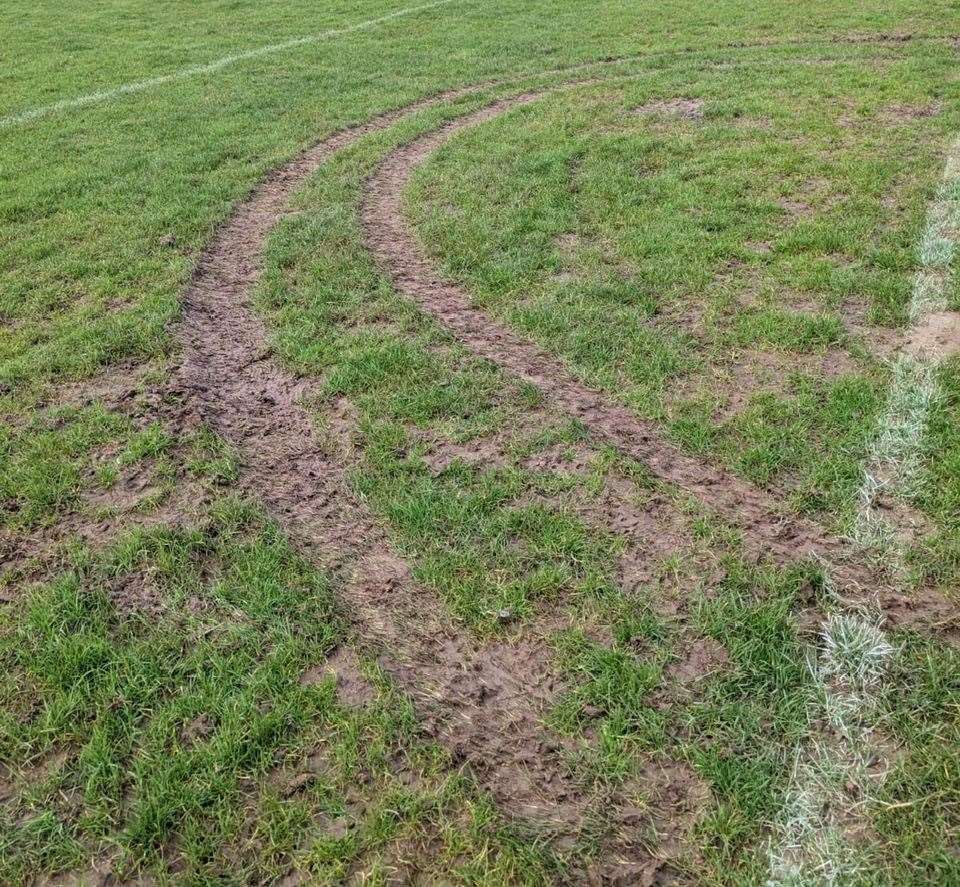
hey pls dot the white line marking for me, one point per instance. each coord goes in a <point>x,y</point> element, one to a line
<point>838,771</point>
<point>207,68</point>
<point>894,459</point>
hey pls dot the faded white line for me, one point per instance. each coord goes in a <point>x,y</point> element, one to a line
<point>207,68</point>
<point>893,463</point>
<point>839,769</point>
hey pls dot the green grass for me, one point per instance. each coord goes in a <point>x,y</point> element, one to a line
<point>666,291</point>
<point>728,277</point>
<point>167,744</point>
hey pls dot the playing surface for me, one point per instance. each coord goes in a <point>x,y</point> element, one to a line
<point>478,443</point>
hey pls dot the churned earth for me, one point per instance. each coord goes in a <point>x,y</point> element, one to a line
<point>469,444</point>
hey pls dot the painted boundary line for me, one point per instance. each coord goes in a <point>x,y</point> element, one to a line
<point>841,767</point>
<point>894,459</point>
<point>207,68</point>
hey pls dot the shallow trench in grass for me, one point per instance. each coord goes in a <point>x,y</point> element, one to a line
<point>484,702</point>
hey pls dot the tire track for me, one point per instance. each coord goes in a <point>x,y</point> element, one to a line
<point>484,703</point>
<point>766,527</point>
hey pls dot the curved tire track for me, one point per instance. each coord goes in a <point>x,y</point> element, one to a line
<point>485,704</point>
<point>767,529</point>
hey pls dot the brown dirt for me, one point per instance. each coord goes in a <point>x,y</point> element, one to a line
<point>679,799</point>
<point>568,244</point>
<point>483,702</point>
<point>796,209</point>
<point>135,484</point>
<point>752,372</point>
<point>671,801</point>
<point>486,452</point>
<point>30,556</point>
<point>704,657</point>
<point>690,109</point>
<point>200,728</point>
<point>900,112</point>
<point>117,387</point>
<point>136,593</point>
<point>937,338</point>
<point>353,689</point>
<point>767,528</point>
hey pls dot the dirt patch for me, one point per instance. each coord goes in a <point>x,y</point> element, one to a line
<point>937,337</point>
<point>567,244</point>
<point>117,388</point>
<point>480,702</point>
<point>670,801</point>
<point>339,422</point>
<point>678,801</point>
<point>925,610</point>
<point>353,689</point>
<point>703,658</point>
<point>135,486</point>
<point>501,693</point>
<point>481,453</point>
<point>37,554</point>
<point>690,109</point>
<point>795,209</point>
<point>313,768</point>
<point>733,386</point>
<point>900,112</point>
<point>99,874</point>
<point>563,457</point>
<point>136,593</point>
<point>198,729</point>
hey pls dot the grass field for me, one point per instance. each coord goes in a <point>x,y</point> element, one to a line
<point>470,443</point>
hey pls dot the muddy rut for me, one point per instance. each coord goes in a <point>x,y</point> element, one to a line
<point>484,703</point>
<point>767,529</point>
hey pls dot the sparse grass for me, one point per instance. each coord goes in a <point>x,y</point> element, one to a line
<point>727,276</point>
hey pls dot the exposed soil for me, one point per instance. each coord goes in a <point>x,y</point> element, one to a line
<point>691,109</point>
<point>483,702</point>
<point>796,209</point>
<point>678,799</point>
<point>353,689</point>
<point>704,657</point>
<point>34,554</point>
<point>200,728</point>
<point>937,337</point>
<point>902,112</point>
<point>670,801</point>
<point>768,530</point>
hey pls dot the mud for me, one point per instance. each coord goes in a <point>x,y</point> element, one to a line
<point>353,689</point>
<point>936,338</point>
<point>703,658</point>
<point>484,703</point>
<point>200,728</point>
<point>678,799</point>
<point>34,555</point>
<point>670,801</point>
<point>767,529</point>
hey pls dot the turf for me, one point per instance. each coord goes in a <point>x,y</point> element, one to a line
<point>719,232</point>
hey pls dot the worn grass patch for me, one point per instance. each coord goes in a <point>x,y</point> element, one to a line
<point>720,235</point>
